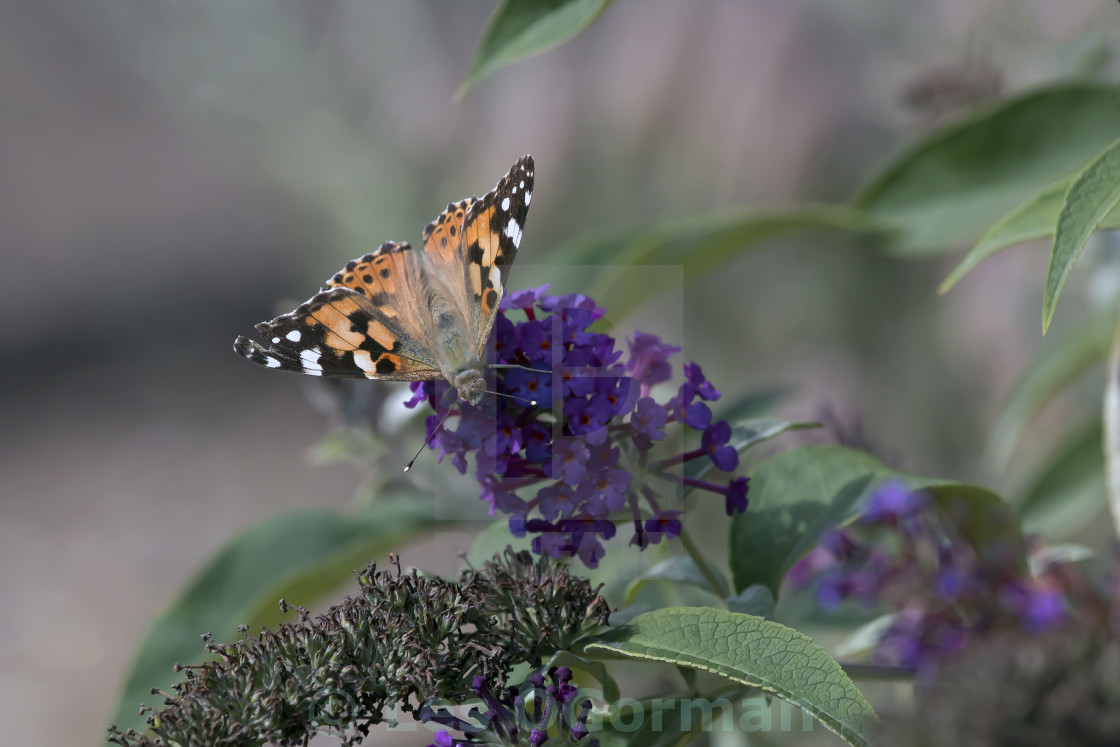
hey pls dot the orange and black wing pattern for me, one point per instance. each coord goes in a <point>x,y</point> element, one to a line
<point>491,234</point>
<point>443,237</point>
<point>361,326</point>
<point>373,320</point>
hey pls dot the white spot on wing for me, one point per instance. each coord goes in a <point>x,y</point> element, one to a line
<point>294,335</point>
<point>505,203</point>
<point>310,360</point>
<point>514,232</point>
<point>522,184</point>
<point>275,340</point>
<point>363,360</point>
<point>271,362</point>
<point>495,277</point>
<point>528,198</point>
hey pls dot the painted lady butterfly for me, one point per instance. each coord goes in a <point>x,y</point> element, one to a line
<point>399,314</point>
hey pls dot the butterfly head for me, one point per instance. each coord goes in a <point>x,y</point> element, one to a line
<point>471,385</point>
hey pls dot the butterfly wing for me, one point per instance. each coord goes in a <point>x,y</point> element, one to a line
<point>472,244</point>
<point>364,325</point>
<point>443,247</point>
<point>391,278</point>
<point>374,319</point>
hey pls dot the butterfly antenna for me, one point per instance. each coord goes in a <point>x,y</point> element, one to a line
<point>523,368</point>
<point>531,402</point>
<point>427,440</point>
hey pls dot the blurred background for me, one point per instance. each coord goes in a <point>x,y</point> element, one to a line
<point>173,172</point>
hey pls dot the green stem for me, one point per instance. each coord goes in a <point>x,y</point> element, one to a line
<point>703,566</point>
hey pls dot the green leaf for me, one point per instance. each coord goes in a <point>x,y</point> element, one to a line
<point>265,557</point>
<point>697,245</point>
<point>657,722</point>
<point>1069,490</point>
<point>751,651</point>
<point>523,28</point>
<point>1034,219</point>
<point>754,600</point>
<point>799,495</point>
<point>746,435</point>
<point>752,404</point>
<point>385,531</point>
<point>1112,431</point>
<point>679,570</point>
<point>796,497</point>
<point>951,186</point>
<point>621,564</point>
<point>1062,361</point>
<point>1091,197</point>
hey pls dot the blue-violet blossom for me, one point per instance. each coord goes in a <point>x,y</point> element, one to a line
<point>906,552</point>
<point>567,448</point>
<point>519,715</point>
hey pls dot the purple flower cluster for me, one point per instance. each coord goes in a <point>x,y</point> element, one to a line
<point>567,447</point>
<point>906,554</point>
<point>514,713</point>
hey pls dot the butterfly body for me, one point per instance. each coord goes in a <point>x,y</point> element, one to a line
<point>458,361</point>
<point>401,314</point>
